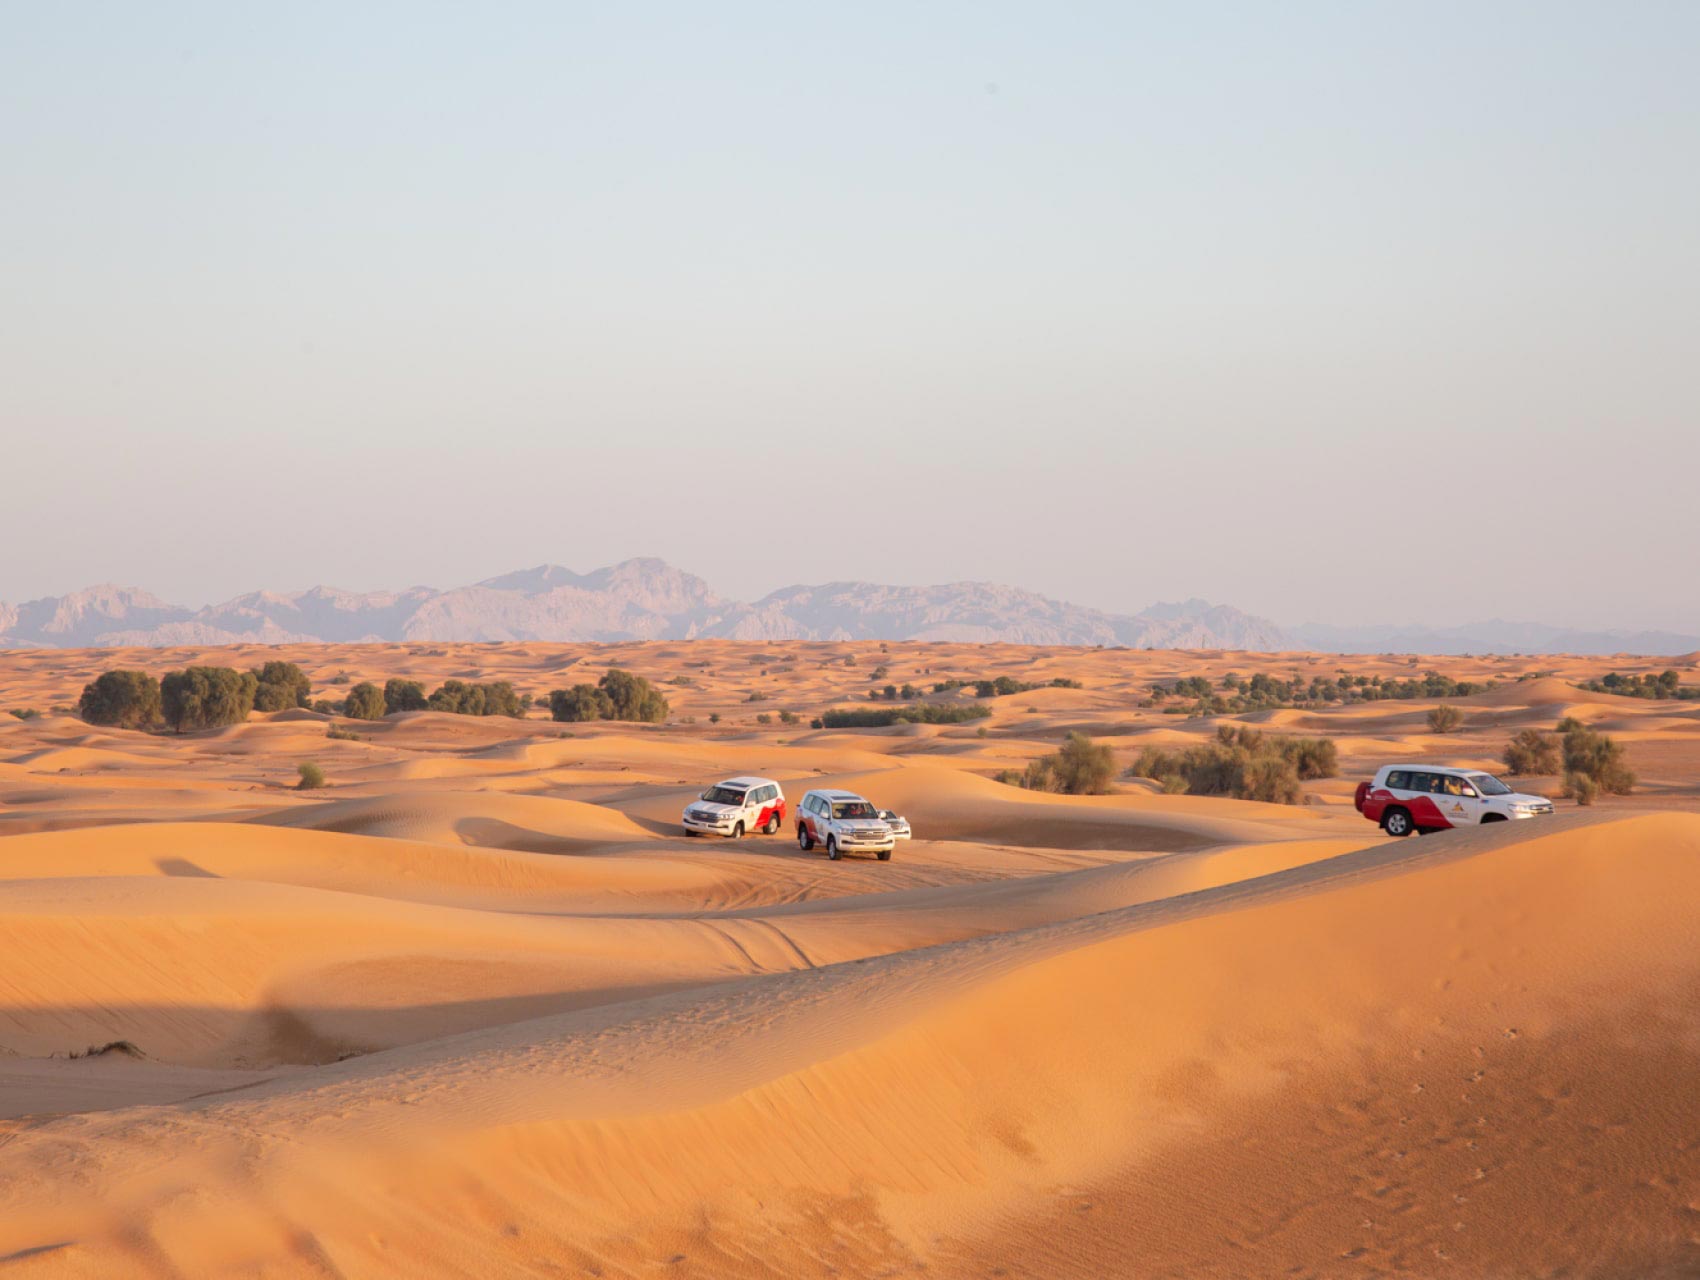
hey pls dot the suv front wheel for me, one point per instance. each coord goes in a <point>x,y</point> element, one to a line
<point>832,848</point>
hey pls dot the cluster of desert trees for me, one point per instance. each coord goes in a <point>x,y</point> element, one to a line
<point>209,697</point>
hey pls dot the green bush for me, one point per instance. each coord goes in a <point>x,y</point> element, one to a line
<point>619,695</point>
<point>920,713</point>
<point>1581,788</point>
<point>579,703</point>
<point>365,701</point>
<point>1531,752</point>
<point>124,699</point>
<point>26,713</point>
<point>1444,719</point>
<point>462,699</point>
<point>312,777</point>
<point>1081,768</point>
<point>404,695</point>
<point>206,697</point>
<point>1241,763</point>
<point>1311,758</point>
<point>281,685</point>
<point>1272,779</point>
<point>633,697</point>
<point>1593,755</point>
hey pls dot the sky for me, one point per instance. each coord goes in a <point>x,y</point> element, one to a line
<point>1331,311</point>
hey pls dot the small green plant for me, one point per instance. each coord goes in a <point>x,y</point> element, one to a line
<point>714,717</point>
<point>1444,719</point>
<point>336,733</point>
<point>763,718</point>
<point>1581,788</point>
<point>788,717</point>
<point>312,777</point>
<point>26,713</point>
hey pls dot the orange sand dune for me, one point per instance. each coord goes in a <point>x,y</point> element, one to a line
<point>478,1007</point>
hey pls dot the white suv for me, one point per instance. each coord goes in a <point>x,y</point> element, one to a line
<point>1433,797</point>
<point>735,806</point>
<point>845,823</point>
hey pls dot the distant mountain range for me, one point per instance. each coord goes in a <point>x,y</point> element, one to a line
<point>651,600</point>
<point>634,600</point>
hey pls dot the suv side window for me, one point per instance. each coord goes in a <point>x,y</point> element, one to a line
<point>1399,780</point>
<point>1452,784</point>
<point>1418,781</point>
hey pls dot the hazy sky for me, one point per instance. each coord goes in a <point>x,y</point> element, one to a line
<point>1347,312</point>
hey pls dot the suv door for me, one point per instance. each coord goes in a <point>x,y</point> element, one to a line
<point>1459,803</point>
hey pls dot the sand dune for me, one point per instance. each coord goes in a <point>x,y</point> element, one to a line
<point>478,1008</point>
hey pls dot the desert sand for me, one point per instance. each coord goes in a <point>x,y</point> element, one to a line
<point>478,1008</point>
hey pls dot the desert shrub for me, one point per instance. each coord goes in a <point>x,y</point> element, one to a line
<point>1010,777</point>
<point>1063,682</point>
<point>1271,778</point>
<point>206,697</point>
<point>581,702</point>
<point>326,707</point>
<point>1667,684</point>
<point>1241,762</point>
<point>788,717</point>
<point>462,699</point>
<point>1581,788</point>
<point>1444,719</point>
<point>1596,756</point>
<point>25,713</point>
<point>281,685</point>
<point>404,695</point>
<point>365,701</point>
<point>312,777</point>
<point>1001,687</point>
<point>714,718</point>
<point>920,713</point>
<point>633,697</point>
<point>763,718</point>
<point>1083,767</point>
<point>337,733</point>
<point>756,695</point>
<point>1311,758</point>
<point>125,699</point>
<point>1531,751</point>
<point>1569,724</point>
<point>1155,763</point>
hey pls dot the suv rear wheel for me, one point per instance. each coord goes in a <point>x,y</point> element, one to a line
<point>771,826</point>
<point>805,841</point>
<point>1396,822</point>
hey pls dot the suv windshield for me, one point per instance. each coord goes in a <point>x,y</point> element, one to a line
<point>723,795</point>
<point>853,809</point>
<point>1488,785</point>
